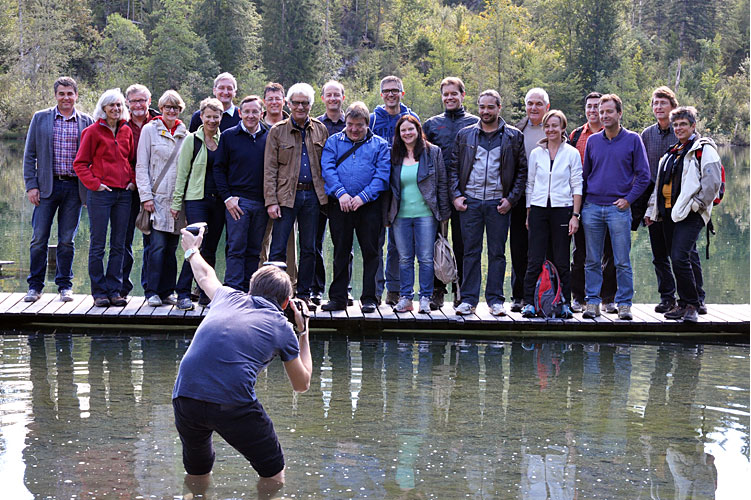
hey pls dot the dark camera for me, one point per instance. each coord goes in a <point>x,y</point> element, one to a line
<point>195,228</point>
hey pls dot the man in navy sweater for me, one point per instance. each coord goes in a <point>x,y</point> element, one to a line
<point>616,173</point>
<point>238,173</point>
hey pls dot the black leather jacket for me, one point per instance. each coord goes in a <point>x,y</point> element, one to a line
<point>441,129</point>
<point>513,161</point>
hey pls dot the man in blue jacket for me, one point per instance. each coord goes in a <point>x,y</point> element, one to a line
<point>383,124</point>
<point>616,173</point>
<point>52,186</point>
<point>356,167</point>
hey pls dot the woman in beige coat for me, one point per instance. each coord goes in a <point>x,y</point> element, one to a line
<point>156,171</point>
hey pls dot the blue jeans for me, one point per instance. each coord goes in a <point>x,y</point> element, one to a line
<point>210,210</point>
<point>483,216</point>
<point>107,209</point>
<point>162,267</point>
<point>392,279</point>
<point>305,211</point>
<point>129,258</point>
<point>415,236</point>
<point>244,238</point>
<point>66,202</point>
<point>597,220</point>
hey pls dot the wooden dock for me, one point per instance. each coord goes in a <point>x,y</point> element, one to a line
<point>723,322</point>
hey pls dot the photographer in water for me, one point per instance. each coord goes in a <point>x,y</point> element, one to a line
<point>214,390</point>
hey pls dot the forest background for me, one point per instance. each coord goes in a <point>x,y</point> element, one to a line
<point>568,47</point>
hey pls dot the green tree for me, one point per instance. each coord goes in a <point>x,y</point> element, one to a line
<point>179,57</point>
<point>122,53</point>
<point>231,28</point>
<point>292,40</point>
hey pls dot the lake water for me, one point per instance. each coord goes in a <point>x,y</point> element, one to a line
<point>726,274</point>
<point>90,417</point>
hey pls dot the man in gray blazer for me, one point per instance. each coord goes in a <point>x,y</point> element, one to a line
<point>52,186</point>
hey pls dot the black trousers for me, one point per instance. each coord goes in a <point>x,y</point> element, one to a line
<point>548,232</point>
<point>319,279</point>
<point>609,284</point>
<point>518,242</point>
<point>661,261</point>
<point>680,240</point>
<point>366,222</point>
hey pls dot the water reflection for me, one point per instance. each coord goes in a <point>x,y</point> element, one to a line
<point>85,416</point>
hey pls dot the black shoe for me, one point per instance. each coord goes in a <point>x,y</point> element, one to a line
<point>118,301</point>
<point>436,301</point>
<point>195,293</point>
<point>102,302</point>
<point>350,299</point>
<point>691,315</point>
<point>392,298</point>
<point>316,298</point>
<point>664,306</point>
<point>32,295</point>
<point>677,312</point>
<point>203,299</point>
<point>516,305</point>
<point>702,309</point>
<point>368,307</point>
<point>311,306</point>
<point>333,305</point>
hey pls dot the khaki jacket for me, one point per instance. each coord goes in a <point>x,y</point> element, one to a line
<point>282,161</point>
<point>154,149</point>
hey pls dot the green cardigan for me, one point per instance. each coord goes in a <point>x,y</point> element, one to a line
<point>197,175</point>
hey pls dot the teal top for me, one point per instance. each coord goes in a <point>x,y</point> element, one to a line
<point>412,203</point>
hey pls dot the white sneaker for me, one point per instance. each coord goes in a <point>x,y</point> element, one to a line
<point>497,309</point>
<point>464,309</point>
<point>424,305</point>
<point>404,305</point>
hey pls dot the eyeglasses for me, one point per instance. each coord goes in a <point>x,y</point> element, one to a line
<point>299,104</point>
<point>169,107</point>
<point>136,101</point>
<point>391,91</point>
<point>273,99</point>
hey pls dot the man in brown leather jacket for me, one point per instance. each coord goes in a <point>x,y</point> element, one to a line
<point>293,185</point>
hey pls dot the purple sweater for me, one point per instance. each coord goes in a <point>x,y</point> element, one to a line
<point>615,169</point>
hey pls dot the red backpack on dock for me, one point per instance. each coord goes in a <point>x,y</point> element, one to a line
<point>548,295</point>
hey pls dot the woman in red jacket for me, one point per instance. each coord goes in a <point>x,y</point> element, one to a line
<point>103,164</point>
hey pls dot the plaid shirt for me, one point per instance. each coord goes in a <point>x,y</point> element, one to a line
<point>657,142</point>
<point>581,143</point>
<point>64,143</point>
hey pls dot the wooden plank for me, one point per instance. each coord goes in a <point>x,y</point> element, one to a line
<point>68,307</point>
<point>339,314</point>
<point>387,313</point>
<point>409,316</point>
<point>43,302</point>
<point>134,304</point>
<point>422,317</point>
<point>178,313</point>
<point>482,311</point>
<point>4,296</point>
<point>117,310</point>
<point>324,315</point>
<point>196,312</point>
<point>162,311</point>
<point>732,312</point>
<point>354,312</point>
<point>83,306</point>
<point>374,316</point>
<point>19,306</point>
<point>145,310</point>
<point>647,313</point>
<point>450,313</point>
<point>96,311</point>
<point>53,306</point>
<point>11,301</point>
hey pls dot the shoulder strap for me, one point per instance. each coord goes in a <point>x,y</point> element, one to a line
<point>354,148</point>
<point>167,165</point>
<point>577,134</point>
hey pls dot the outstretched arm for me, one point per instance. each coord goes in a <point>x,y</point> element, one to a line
<point>202,271</point>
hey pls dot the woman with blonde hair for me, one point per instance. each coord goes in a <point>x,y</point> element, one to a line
<point>156,173</point>
<point>195,187</point>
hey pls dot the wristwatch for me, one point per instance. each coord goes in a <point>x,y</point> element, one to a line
<point>577,215</point>
<point>190,252</point>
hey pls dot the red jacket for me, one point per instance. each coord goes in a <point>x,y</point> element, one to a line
<point>105,158</point>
